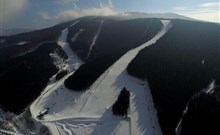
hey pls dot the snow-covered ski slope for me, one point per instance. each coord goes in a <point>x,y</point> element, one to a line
<point>72,58</point>
<point>89,112</point>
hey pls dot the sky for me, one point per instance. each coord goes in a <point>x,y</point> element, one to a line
<point>39,14</point>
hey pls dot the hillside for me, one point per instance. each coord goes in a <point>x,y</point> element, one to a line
<point>90,112</point>
<point>66,79</point>
<point>181,63</point>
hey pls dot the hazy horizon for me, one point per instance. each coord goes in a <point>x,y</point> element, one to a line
<point>37,14</point>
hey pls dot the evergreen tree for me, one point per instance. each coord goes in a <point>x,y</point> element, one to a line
<point>120,107</point>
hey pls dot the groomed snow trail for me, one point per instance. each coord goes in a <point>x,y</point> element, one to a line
<point>89,112</point>
<point>72,58</point>
<point>72,63</point>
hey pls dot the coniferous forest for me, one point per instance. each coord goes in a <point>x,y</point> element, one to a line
<point>183,62</point>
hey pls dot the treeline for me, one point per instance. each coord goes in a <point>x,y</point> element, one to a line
<point>37,36</point>
<point>86,29</point>
<point>23,78</point>
<point>115,39</point>
<point>202,117</point>
<point>184,61</point>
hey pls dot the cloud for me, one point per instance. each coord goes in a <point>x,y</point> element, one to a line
<point>65,1</point>
<point>77,12</point>
<point>210,5</point>
<point>180,8</point>
<point>212,16</point>
<point>205,11</point>
<point>9,8</point>
<point>110,4</point>
<point>44,15</point>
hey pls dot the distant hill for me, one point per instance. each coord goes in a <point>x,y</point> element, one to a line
<point>133,15</point>
<point>14,31</point>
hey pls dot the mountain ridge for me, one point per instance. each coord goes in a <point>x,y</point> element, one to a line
<point>87,44</point>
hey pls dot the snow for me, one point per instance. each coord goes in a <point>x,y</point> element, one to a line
<point>77,35</point>
<point>210,89</point>
<point>57,60</point>
<point>53,86</point>
<point>22,43</point>
<point>95,38</point>
<point>203,61</point>
<point>74,23</point>
<point>73,61</point>
<point>90,112</point>
<point>7,132</point>
<point>33,49</point>
<point>8,127</point>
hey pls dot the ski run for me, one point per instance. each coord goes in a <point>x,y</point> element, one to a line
<point>89,112</point>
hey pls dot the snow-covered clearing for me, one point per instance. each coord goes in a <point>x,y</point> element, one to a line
<point>89,112</point>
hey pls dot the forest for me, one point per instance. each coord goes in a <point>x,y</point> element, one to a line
<point>116,38</point>
<point>183,62</point>
<point>23,78</point>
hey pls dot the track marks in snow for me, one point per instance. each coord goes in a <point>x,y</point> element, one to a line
<point>97,101</point>
<point>63,129</point>
<point>108,89</point>
<point>51,91</point>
